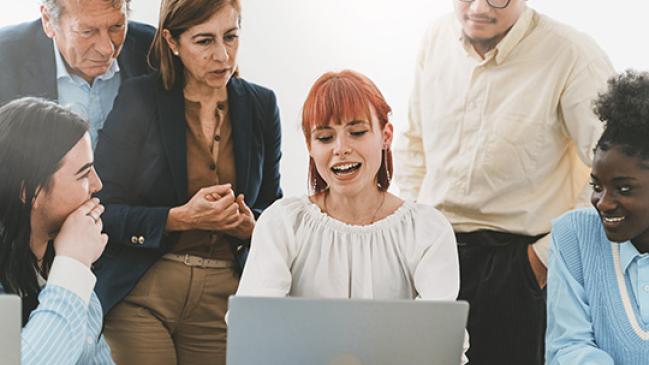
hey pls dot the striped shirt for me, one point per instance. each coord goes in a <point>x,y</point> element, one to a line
<point>65,328</point>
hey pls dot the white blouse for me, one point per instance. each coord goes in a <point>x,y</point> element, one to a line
<point>297,250</point>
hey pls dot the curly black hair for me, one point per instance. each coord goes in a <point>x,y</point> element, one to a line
<point>624,108</point>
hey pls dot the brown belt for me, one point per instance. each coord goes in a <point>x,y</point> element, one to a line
<point>197,261</point>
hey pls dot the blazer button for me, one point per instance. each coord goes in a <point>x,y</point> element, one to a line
<point>212,166</point>
<point>134,240</point>
<point>140,240</point>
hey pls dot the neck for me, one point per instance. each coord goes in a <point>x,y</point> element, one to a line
<point>356,209</point>
<point>204,94</point>
<point>38,245</point>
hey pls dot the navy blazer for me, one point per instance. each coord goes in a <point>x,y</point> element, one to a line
<point>141,157</point>
<point>28,67</point>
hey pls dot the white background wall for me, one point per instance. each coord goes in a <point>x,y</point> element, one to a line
<point>287,44</point>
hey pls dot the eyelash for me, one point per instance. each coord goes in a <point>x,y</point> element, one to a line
<point>624,190</point>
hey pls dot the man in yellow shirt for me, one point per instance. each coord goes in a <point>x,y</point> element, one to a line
<point>500,134</point>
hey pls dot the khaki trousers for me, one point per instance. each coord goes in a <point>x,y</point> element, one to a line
<point>173,316</point>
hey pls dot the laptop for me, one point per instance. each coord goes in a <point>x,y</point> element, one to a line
<point>10,326</point>
<point>307,331</point>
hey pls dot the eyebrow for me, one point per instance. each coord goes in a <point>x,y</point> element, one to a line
<point>617,178</point>
<point>208,34</point>
<point>84,168</point>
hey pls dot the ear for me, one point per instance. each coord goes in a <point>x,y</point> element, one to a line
<point>47,22</point>
<point>388,133</point>
<point>171,42</point>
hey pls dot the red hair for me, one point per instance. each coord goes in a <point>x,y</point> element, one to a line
<point>342,96</point>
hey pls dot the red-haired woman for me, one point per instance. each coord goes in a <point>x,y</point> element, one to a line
<point>350,238</point>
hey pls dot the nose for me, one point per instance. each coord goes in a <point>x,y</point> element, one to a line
<point>342,147</point>
<point>603,201</point>
<point>479,6</point>
<point>220,52</point>
<point>104,45</point>
<point>95,182</point>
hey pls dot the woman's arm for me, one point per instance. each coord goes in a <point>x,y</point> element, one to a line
<point>56,330</point>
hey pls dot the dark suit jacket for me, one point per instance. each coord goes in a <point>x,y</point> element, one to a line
<point>141,157</point>
<point>28,67</point>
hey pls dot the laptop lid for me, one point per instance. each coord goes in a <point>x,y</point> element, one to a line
<point>298,331</point>
<point>10,326</point>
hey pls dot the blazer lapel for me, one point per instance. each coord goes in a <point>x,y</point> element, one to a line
<point>241,118</point>
<point>171,109</point>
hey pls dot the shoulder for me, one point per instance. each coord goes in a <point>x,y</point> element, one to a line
<point>260,95</point>
<point>19,32</point>
<point>23,40</point>
<point>565,38</point>
<point>430,218</point>
<point>285,209</point>
<point>576,220</point>
<point>140,30</point>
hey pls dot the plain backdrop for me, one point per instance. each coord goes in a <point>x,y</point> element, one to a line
<point>287,44</point>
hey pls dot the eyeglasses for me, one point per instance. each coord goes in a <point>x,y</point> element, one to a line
<point>496,4</point>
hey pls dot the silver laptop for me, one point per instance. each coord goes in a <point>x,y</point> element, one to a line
<point>10,326</point>
<point>301,331</point>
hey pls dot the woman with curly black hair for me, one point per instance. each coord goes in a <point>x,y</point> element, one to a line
<point>598,284</point>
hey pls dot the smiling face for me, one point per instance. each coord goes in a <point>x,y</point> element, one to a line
<point>89,35</point>
<point>348,155</point>
<point>70,186</point>
<point>485,26</point>
<point>208,50</point>
<point>621,196</point>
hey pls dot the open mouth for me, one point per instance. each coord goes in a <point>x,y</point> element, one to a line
<point>613,219</point>
<point>346,168</point>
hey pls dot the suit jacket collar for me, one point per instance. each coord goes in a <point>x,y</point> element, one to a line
<point>173,130</point>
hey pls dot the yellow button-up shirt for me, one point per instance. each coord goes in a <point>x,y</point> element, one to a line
<point>503,143</point>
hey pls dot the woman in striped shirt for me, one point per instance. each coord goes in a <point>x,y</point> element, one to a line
<point>50,232</point>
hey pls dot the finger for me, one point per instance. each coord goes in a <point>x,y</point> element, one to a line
<point>212,197</point>
<point>88,206</point>
<point>243,208</point>
<point>218,189</point>
<point>225,201</point>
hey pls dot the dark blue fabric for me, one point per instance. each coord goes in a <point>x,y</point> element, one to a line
<point>28,68</point>
<point>141,156</point>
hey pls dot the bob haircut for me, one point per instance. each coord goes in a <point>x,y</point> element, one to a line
<point>35,136</point>
<point>335,98</point>
<point>177,16</point>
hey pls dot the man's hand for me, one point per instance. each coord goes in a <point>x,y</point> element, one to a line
<point>540,271</point>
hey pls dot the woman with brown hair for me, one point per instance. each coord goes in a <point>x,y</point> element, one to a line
<point>190,157</point>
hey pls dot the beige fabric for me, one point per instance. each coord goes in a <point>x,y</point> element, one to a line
<point>503,143</point>
<point>210,161</point>
<point>174,316</point>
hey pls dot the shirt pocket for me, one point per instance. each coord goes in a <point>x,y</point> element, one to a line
<point>513,148</point>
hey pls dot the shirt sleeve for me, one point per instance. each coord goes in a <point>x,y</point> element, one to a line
<point>102,353</point>
<point>72,275</point>
<point>267,271</point>
<point>569,338</point>
<point>410,152</point>
<point>437,275</point>
<point>55,331</point>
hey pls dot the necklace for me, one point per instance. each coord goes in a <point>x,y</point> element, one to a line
<point>376,211</point>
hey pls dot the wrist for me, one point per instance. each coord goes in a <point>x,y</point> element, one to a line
<point>177,220</point>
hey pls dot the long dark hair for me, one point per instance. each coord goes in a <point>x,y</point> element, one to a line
<point>35,135</point>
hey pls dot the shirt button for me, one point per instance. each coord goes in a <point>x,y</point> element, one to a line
<point>646,288</point>
<point>217,138</point>
<point>212,166</point>
<point>140,240</point>
<point>134,239</point>
<point>89,340</point>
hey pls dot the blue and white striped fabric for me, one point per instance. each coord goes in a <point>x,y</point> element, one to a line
<point>63,330</point>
